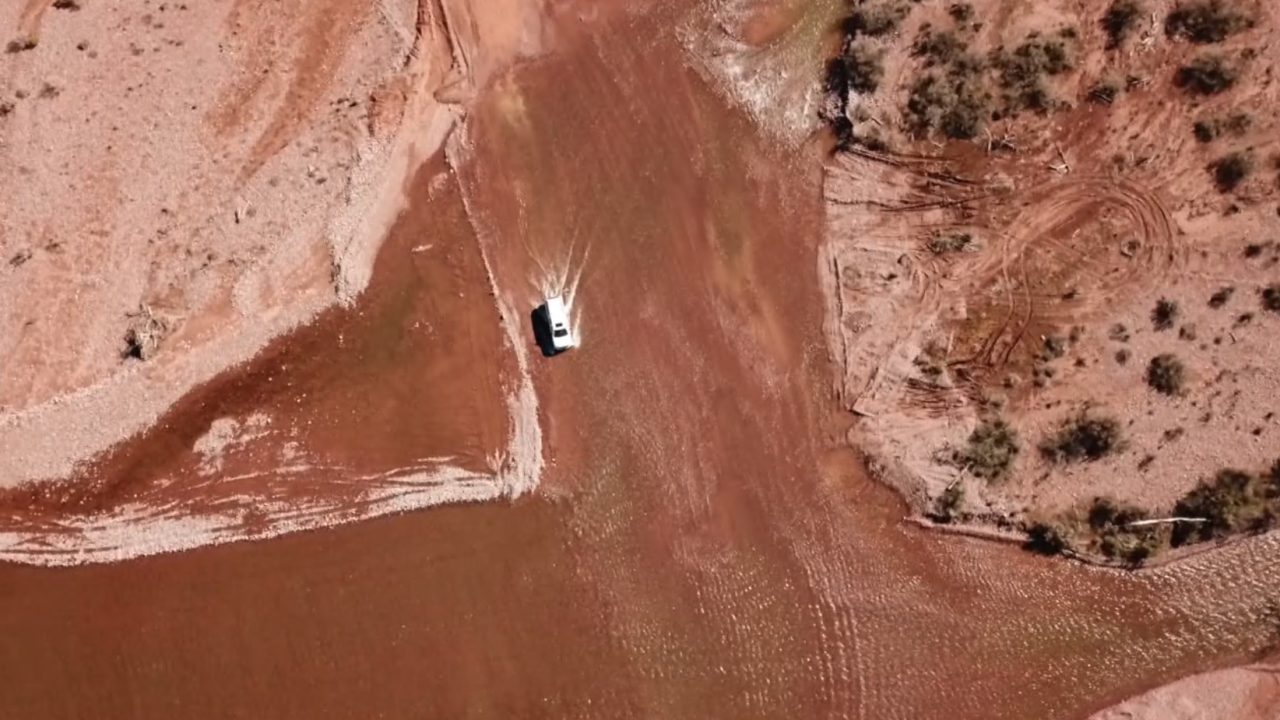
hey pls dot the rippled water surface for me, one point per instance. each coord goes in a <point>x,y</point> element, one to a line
<point>701,546</point>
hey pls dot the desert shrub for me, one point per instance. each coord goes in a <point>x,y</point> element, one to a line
<point>1046,539</point>
<point>1165,314</point>
<point>1122,356</point>
<point>66,4</point>
<point>1205,21</point>
<point>940,48</point>
<point>992,448</point>
<point>1231,170</point>
<point>1165,374</point>
<point>1233,501</point>
<point>1207,75</point>
<point>1023,71</point>
<point>864,68</point>
<point>1055,346</point>
<point>21,44</point>
<point>1105,92</point>
<point>1083,438</point>
<point>1221,297</point>
<point>960,12</point>
<point>955,105</point>
<point>942,244</point>
<point>874,20</point>
<point>1209,130</point>
<point>1271,297</point>
<point>1110,521</point>
<point>1119,21</point>
<point>946,507</point>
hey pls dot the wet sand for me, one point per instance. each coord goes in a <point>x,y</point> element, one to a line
<point>703,544</point>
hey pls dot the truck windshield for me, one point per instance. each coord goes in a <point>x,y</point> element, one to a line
<point>561,332</point>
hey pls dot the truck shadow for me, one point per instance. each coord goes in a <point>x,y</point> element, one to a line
<point>541,321</point>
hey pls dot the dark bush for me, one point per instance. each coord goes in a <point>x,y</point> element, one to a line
<point>1233,501</point>
<point>1165,373</point>
<point>874,20</point>
<point>1210,130</point>
<point>946,507</point>
<point>1221,297</point>
<point>992,448</point>
<point>863,68</point>
<point>1022,72</point>
<point>960,12</point>
<point>955,105</point>
<point>1271,297</point>
<point>942,244</point>
<point>1208,75</point>
<point>1205,21</point>
<point>940,48</point>
<point>1119,21</point>
<point>1045,538</point>
<point>1083,438</point>
<point>1104,92</point>
<point>1165,314</point>
<point>1231,170</point>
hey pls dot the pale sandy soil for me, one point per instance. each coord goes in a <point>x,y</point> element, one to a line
<point>1251,692</point>
<point>1132,218</point>
<point>233,182</point>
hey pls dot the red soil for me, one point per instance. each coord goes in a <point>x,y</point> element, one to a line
<point>706,545</point>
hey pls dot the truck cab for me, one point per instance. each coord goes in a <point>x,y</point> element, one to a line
<point>558,322</point>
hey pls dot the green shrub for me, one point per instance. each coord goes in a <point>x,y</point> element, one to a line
<point>1119,21</point>
<point>1165,373</point>
<point>1205,21</point>
<point>993,446</point>
<point>1084,438</point>
<point>1208,75</point>
<point>1232,502</point>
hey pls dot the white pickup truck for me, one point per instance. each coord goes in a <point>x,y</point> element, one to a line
<point>558,320</point>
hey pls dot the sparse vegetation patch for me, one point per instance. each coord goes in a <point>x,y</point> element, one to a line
<point>1207,75</point>
<point>1231,170</point>
<point>1207,131</point>
<point>1084,438</point>
<point>1165,314</point>
<point>991,450</point>
<point>1271,297</point>
<point>944,243</point>
<point>874,20</point>
<point>955,104</point>
<point>1023,72</point>
<point>1233,501</point>
<point>1205,21</point>
<point>1120,20</point>
<point>1165,374</point>
<point>1221,297</point>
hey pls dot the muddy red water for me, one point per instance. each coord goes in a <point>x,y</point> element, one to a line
<point>702,545</point>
